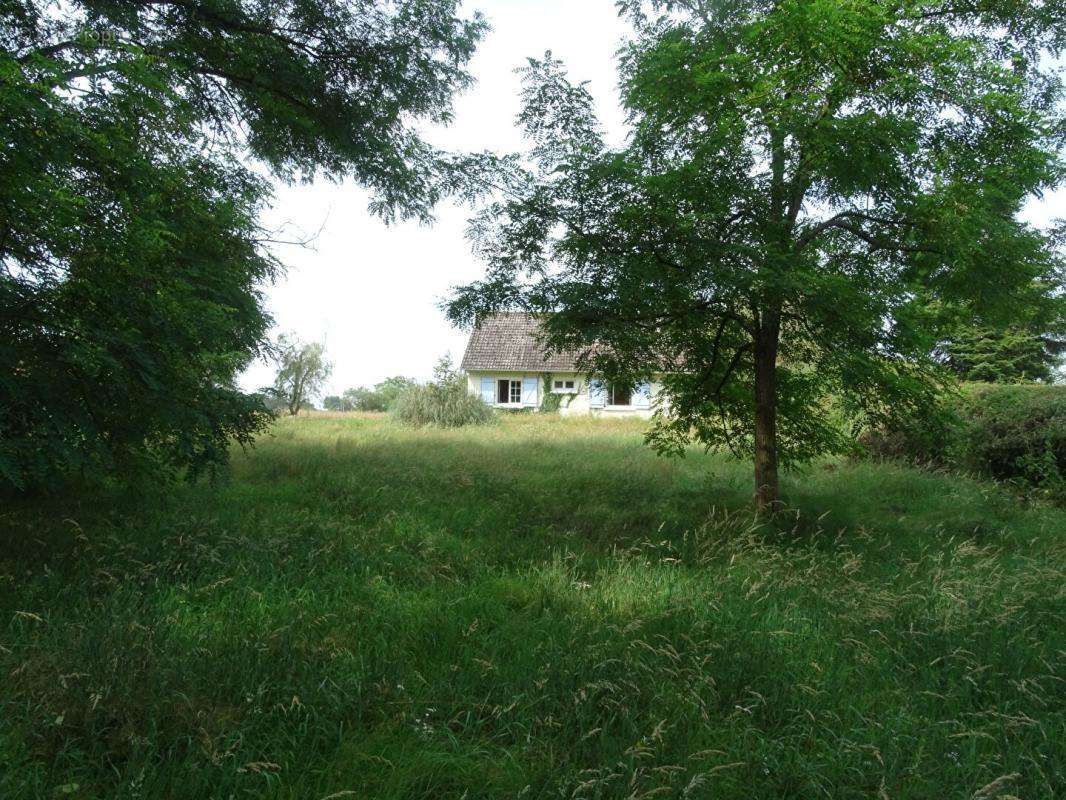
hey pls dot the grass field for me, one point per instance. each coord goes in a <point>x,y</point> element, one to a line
<point>540,608</point>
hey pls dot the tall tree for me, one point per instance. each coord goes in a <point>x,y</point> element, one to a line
<point>1029,348</point>
<point>1012,355</point>
<point>302,370</point>
<point>131,258</point>
<point>811,191</point>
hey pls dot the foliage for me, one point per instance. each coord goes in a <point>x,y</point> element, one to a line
<point>273,403</point>
<point>336,403</point>
<point>361,399</point>
<point>131,258</point>
<point>129,284</point>
<point>1003,356</point>
<point>811,193</point>
<point>302,370</point>
<point>387,392</point>
<point>364,399</point>
<point>550,401</point>
<point>1029,347</point>
<point>372,611</point>
<point>444,402</point>
<point>445,373</point>
<point>380,398</point>
<point>1012,433</point>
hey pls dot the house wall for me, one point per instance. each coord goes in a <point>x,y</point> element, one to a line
<point>573,404</point>
<point>578,402</point>
<point>473,383</point>
<point>624,411</point>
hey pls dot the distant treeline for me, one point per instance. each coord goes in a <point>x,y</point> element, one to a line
<point>362,398</point>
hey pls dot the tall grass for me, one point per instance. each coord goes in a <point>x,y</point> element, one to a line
<point>538,608</point>
<point>444,405</point>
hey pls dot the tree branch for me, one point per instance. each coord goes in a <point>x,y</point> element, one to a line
<point>49,50</point>
<point>840,221</point>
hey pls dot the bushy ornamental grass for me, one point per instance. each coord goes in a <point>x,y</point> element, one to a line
<point>1014,433</point>
<point>540,608</point>
<point>444,405</point>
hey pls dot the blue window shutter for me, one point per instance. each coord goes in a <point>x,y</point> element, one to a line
<point>529,391</point>
<point>488,390</point>
<point>597,394</point>
<point>642,395</point>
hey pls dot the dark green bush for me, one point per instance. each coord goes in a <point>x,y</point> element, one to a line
<point>1014,433</point>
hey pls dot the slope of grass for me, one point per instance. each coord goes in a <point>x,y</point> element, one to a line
<point>540,608</point>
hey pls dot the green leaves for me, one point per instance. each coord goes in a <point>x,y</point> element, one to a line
<point>131,257</point>
<point>826,181</point>
<point>302,369</point>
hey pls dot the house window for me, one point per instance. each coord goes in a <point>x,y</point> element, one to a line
<point>509,392</point>
<point>563,386</point>
<point>620,395</point>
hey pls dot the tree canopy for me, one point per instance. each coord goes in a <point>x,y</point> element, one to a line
<point>379,398</point>
<point>131,256</point>
<point>1011,355</point>
<point>1028,347</point>
<point>812,193</point>
<point>302,371</point>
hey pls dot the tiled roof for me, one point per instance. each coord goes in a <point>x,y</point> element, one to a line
<point>508,341</point>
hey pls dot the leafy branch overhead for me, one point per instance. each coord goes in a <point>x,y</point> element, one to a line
<point>132,262</point>
<point>812,193</point>
<point>324,87</point>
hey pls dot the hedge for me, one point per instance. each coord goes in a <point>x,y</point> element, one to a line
<point>1010,432</point>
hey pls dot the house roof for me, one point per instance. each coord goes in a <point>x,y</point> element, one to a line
<point>508,341</point>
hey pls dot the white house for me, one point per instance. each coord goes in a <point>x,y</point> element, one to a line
<point>506,365</point>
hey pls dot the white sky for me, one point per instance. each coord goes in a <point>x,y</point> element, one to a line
<point>370,291</point>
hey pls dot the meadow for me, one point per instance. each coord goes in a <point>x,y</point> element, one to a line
<point>539,608</point>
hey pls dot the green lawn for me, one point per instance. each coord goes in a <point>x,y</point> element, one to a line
<point>540,608</point>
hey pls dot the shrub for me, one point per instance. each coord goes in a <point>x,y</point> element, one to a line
<point>1014,433</point>
<point>446,404</point>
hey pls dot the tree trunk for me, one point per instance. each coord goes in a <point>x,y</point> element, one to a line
<point>296,399</point>
<point>767,493</point>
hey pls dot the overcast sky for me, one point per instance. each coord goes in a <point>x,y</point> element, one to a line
<point>371,292</point>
